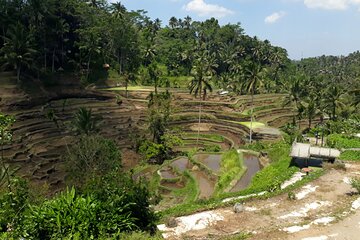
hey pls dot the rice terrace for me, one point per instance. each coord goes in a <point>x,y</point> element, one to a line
<point>115,124</point>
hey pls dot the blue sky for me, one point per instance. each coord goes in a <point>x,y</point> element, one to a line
<point>306,28</point>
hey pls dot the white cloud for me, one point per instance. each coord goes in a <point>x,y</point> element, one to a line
<point>273,18</point>
<point>331,4</point>
<point>204,9</point>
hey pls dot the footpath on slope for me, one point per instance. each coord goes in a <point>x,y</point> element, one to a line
<point>319,208</point>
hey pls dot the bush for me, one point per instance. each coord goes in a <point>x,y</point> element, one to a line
<point>350,155</point>
<point>92,157</point>
<point>111,187</point>
<point>343,141</point>
<point>13,202</point>
<point>212,148</point>
<point>107,208</point>
<point>67,216</point>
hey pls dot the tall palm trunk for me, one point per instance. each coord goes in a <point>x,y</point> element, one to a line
<point>53,61</point>
<point>88,67</point>
<point>126,88</point>
<point>18,72</point>
<point>251,113</point>
<point>199,122</point>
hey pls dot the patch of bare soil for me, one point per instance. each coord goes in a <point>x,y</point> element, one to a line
<point>319,204</point>
<point>129,158</point>
<point>204,127</point>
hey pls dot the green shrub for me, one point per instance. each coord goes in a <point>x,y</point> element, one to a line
<point>13,202</point>
<point>212,148</point>
<point>68,215</point>
<point>343,141</point>
<point>350,155</point>
<point>111,187</point>
<point>92,157</point>
<point>108,207</point>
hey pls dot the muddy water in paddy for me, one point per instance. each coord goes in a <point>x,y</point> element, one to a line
<point>206,186</point>
<point>253,166</point>
<point>212,161</point>
<point>181,164</point>
<point>167,174</point>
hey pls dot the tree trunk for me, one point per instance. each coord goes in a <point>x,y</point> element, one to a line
<point>45,53</point>
<point>251,113</point>
<point>53,61</point>
<point>199,122</point>
<point>18,72</point>
<point>156,86</point>
<point>126,88</point>
<point>88,68</point>
<point>120,62</point>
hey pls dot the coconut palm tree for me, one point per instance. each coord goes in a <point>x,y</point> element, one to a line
<point>118,10</point>
<point>295,93</point>
<point>253,79</point>
<point>333,99</point>
<point>202,72</point>
<point>84,121</point>
<point>17,51</point>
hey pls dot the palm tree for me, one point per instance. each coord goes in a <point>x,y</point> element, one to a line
<point>84,121</point>
<point>17,51</point>
<point>295,93</point>
<point>118,10</point>
<point>253,78</point>
<point>173,22</point>
<point>154,74</point>
<point>310,109</point>
<point>333,99</point>
<point>203,70</point>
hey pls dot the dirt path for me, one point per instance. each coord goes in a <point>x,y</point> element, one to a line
<point>319,204</point>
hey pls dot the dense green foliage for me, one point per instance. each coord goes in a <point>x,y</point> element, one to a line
<point>350,155</point>
<point>90,158</point>
<point>106,209</point>
<point>343,141</point>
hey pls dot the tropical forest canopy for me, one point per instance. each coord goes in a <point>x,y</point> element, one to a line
<point>42,38</point>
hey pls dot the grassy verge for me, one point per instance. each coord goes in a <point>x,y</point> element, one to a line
<point>232,165</point>
<point>350,155</point>
<point>343,141</point>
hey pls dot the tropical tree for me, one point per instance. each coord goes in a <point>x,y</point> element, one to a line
<point>310,109</point>
<point>17,51</point>
<point>154,74</point>
<point>253,78</point>
<point>202,72</point>
<point>295,92</point>
<point>333,99</point>
<point>84,121</point>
